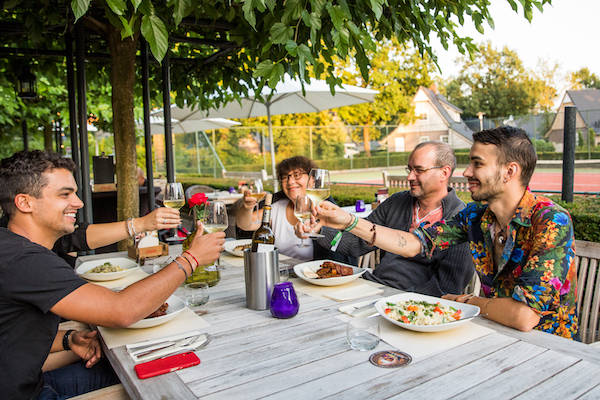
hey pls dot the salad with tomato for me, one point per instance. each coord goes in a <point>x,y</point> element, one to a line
<point>422,312</point>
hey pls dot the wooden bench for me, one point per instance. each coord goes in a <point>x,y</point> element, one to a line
<point>458,183</point>
<point>588,289</point>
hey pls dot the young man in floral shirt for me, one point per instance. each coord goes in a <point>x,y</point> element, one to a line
<point>522,244</point>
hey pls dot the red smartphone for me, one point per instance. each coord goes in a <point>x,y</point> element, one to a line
<point>166,364</point>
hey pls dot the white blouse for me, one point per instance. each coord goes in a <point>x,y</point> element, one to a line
<point>286,240</point>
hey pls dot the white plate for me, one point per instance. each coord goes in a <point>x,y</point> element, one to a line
<point>316,264</point>
<point>127,264</point>
<point>230,245</point>
<point>176,305</point>
<point>469,311</point>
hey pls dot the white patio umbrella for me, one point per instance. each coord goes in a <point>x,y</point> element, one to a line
<point>287,98</point>
<point>157,124</point>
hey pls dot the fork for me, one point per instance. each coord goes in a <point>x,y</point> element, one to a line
<point>182,342</point>
<point>204,339</point>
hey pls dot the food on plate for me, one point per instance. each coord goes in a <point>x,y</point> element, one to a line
<point>310,274</point>
<point>106,267</point>
<point>422,312</point>
<point>162,310</point>
<point>242,247</point>
<point>332,270</point>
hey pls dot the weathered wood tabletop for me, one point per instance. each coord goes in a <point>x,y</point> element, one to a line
<point>253,355</point>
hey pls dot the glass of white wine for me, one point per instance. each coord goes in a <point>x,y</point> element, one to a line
<point>258,192</point>
<point>302,211</point>
<point>174,198</point>
<point>215,220</point>
<point>318,185</point>
<point>215,217</point>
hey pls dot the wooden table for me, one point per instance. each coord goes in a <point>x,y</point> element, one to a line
<point>253,355</point>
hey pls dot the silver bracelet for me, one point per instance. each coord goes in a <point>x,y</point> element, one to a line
<point>181,268</point>
<point>133,228</point>
<point>128,224</point>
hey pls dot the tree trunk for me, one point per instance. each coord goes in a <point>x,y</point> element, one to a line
<point>48,137</point>
<point>122,55</point>
<point>367,139</point>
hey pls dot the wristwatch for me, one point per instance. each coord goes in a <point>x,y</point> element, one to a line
<point>66,345</point>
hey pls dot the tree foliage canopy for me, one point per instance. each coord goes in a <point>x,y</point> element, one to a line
<point>584,79</point>
<point>496,83</point>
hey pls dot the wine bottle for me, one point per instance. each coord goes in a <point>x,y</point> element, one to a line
<point>263,238</point>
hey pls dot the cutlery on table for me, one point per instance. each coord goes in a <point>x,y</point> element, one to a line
<point>196,344</point>
<point>361,309</point>
<point>164,345</point>
<point>159,343</point>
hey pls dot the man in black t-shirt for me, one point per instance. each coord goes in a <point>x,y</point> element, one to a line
<point>37,287</point>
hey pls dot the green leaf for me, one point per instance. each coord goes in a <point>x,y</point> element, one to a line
<point>80,7</point>
<point>146,7</point>
<point>304,51</point>
<point>155,33</point>
<point>291,47</point>
<point>337,15</point>
<point>271,4</point>
<point>376,6</point>
<point>281,33</point>
<point>276,75</point>
<point>117,6</point>
<point>263,70</point>
<point>180,10</point>
<point>248,10</point>
<point>127,27</point>
<point>135,4</point>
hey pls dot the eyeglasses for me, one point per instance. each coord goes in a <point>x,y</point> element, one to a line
<point>297,175</point>
<point>419,171</point>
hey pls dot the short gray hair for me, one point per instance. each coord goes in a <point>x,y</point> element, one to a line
<point>444,155</point>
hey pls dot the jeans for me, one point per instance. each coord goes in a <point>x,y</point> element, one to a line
<point>76,379</point>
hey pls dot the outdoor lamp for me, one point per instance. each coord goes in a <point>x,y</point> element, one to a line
<point>26,85</point>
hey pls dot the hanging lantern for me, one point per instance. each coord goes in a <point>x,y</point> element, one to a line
<point>26,85</point>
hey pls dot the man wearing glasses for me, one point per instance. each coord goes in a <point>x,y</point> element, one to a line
<point>522,244</point>
<point>429,200</point>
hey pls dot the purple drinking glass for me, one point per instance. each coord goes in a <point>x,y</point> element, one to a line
<point>284,302</point>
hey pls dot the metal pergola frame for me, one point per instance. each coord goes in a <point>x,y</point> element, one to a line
<point>76,87</point>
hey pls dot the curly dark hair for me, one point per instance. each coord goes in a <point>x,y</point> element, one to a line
<point>292,163</point>
<point>514,146</point>
<point>23,173</point>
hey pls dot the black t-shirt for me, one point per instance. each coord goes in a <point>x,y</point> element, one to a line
<point>32,280</point>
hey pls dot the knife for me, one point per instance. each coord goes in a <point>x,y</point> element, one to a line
<point>364,308</point>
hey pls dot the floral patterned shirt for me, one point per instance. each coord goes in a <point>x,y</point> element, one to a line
<point>537,265</point>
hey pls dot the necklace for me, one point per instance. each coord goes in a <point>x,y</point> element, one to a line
<point>419,219</point>
<point>501,235</point>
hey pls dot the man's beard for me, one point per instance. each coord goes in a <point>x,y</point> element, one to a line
<point>490,191</point>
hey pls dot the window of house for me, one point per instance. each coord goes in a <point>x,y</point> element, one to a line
<point>445,139</point>
<point>423,139</point>
<point>422,116</point>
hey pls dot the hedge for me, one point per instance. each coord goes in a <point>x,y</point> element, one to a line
<point>585,210</point>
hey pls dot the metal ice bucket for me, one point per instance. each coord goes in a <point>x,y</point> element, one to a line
<point>261,273</point>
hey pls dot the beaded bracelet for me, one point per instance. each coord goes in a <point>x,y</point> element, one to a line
<point>65,340</point>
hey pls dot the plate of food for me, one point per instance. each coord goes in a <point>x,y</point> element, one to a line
<point>166,312</point>
<point>106,269</point>
<point>237,247</point>
<point>422,313</point>
<point>327,272</point>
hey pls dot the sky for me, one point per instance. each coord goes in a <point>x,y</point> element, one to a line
<point>566,32</point>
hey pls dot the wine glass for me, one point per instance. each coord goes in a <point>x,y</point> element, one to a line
<point>215,220</point>
<point>174,198</point>
<point>258,192</point>
<point>318,185</point>
<point>302,211</point>
<point>215,217</point>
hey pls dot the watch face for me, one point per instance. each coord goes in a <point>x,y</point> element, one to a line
<point>390,359</point>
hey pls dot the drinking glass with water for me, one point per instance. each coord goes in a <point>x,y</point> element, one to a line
<point>363,333</point>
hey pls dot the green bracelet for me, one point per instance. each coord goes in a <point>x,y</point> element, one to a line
<point>353,224</point>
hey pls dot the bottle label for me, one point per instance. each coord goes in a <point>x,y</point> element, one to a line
<point>211,267</point>
<point>263,248</point>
